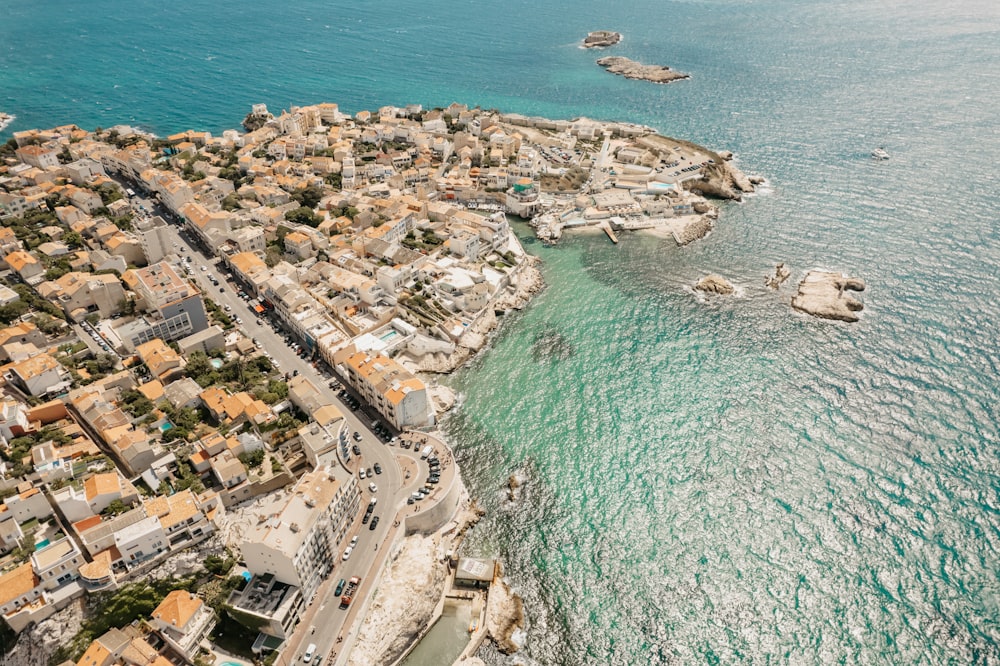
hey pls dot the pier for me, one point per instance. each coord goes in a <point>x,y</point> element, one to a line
<point>609,231</point>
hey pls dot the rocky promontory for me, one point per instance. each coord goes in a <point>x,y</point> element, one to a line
<point>601,38</point>
<point>631,69</point>
<point>824,294</point>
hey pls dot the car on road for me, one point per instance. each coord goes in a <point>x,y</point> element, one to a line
<point>378,468</point>
<point>357,436</point>
<point>340,588</point>
<point>366,518</point>
<point>373,524</point>
<point>347,553</point>
<point>203,269</point>
<point>308,654</point>
<point>372,487</point>
<point>354,541</point>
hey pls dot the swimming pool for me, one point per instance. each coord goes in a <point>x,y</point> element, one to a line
<point>217,363</point>
<point>166,426</point>
<point>41,544</point>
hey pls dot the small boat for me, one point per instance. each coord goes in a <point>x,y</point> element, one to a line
<point>880,154</point>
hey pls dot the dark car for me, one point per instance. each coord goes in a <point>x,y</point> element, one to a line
<point>340,587</point>
<point>368,515</point>
<point>357,436</point>
<point>356,449</point>
<point>374,523</point>
<point>378,468</point>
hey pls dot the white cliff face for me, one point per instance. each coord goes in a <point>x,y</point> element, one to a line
<point>407,595</point>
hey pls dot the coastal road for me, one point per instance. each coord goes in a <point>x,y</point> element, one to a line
<point>323,622</point>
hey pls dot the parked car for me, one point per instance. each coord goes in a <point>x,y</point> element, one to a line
<point>347,553</point>
<point>378,468</point>
<point>372,487</point>
<point>356,449</point>
<point>374,523</point>
<point>361,473</point>
<point>340,587</point>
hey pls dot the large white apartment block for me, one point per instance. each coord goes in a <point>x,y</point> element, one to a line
<point>298,539</point>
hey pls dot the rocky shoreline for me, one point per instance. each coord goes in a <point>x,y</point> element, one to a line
<point>529,282</point>
<point>631,69</point>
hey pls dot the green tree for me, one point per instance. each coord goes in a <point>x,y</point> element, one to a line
<point>303,215</point>
<point>115,508</point>
<point>308,196</point>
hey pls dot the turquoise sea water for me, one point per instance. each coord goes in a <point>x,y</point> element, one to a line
<point>709,482</point>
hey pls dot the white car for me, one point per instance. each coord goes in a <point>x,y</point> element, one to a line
<point>354,541</point>
<point>372,487</point>
<point>347,553</point>
<point>361,473</point>
<point>203,269</point>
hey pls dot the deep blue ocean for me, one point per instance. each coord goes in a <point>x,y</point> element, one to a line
<point>720,481</point>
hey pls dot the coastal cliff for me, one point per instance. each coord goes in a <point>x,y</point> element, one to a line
<point>631,69</point>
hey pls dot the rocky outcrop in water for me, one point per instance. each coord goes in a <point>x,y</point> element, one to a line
<point>631,69</point>
<point>824,294</point>
<point>515,486</point>
<point>778,277</point>
<point>601,38</point>
<point>714,284</point>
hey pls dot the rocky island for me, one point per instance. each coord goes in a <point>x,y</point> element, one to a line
<point>601,38</point>
<point>824,294</point>
<point>714,284</point>
<point>631,69</point>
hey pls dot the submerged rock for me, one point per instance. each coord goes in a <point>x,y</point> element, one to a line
<point>551,344</point>
<point>601,38</point>
<point>776,279</point>
<point>631,69</point>
<point>714,284</point>
<point>823,294</point>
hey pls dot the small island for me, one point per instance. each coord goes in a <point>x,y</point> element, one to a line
<point>600,39</point>
<point>631,69</point>
<point>824,294</point>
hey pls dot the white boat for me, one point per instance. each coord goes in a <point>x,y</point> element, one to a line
<point>880,154</point>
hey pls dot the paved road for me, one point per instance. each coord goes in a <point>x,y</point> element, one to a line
<point>323,622</point>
